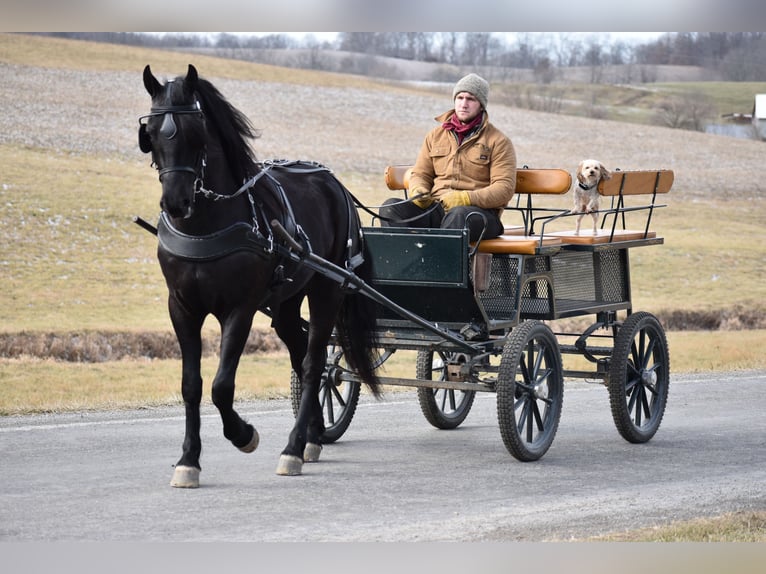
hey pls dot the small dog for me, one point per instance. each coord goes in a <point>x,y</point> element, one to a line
<point>589,173</point>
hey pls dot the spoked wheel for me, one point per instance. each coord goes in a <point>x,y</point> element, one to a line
<point>338,398</point>
<point>443,408</point>
<point>530,391</point>
<point>639,377</point>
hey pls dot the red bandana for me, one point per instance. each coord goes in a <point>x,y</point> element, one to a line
<point>455,125</point>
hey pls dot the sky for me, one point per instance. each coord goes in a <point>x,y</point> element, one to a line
<point>639,37</point>
<point>373,15</point>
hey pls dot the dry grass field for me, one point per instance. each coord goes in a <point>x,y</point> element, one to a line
<point>72,177</point>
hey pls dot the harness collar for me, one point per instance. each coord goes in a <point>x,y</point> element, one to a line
<point>585,187</point>
<point>237,237</point>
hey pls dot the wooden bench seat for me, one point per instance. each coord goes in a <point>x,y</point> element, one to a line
<point>397,177</point>
<point>587,237</point>
<point>520,244</point>
<point>621,184</point>
<point>530,182</point>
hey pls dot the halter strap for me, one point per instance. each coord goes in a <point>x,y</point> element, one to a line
<point>194,108</point>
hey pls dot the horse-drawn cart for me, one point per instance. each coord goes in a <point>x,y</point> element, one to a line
<point>238,236</point>
<point>476,315</point>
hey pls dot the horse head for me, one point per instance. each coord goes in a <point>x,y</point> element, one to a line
<point>174,133</point>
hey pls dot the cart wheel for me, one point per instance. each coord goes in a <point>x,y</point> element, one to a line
<point>338,398</point>
<point>530,391</point>
<point>443,408</point>
<point>639,375</point>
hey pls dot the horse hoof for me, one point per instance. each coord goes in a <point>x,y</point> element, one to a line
<point>253,444</point>
<point>311,452</point>
<point>289,465</point>
<point>185,477</point>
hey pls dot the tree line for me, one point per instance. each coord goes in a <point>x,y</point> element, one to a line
<point>735,56</point>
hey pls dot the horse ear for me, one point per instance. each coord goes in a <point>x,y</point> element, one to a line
<point>190,82</point>
<point>150,82</point>
<point>144,141</point>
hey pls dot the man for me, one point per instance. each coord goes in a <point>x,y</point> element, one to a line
<point>465,173</point>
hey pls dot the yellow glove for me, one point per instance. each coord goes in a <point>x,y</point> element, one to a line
<point>422,198</point>
<point>455,198</point>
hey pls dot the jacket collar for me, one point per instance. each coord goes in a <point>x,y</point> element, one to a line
<point>445,116</point>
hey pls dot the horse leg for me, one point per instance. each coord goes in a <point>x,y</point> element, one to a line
<point>290,329</point>
<point>305,438</point>
<point>234,332</point>
<point>187,469</point>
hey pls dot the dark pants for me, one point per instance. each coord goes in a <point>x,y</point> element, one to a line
<point>397,213</point>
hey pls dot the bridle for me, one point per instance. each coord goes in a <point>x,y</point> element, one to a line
<point>168,129</point>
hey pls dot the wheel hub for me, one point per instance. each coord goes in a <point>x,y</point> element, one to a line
<point>649,378</point>
<point>332,375</point>
<point>541,391</point>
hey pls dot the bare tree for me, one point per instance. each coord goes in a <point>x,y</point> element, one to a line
<point>449,47</point>
<point>567,50</point>
<point>355,41</point>
<point>476,48</point>
<point>594,59</point>
<point>691,111</point>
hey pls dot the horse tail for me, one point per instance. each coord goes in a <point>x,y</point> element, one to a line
<point>356,332</point>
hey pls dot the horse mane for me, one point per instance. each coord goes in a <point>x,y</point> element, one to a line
<point>232,128</point>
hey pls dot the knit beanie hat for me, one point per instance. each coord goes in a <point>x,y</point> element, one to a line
<point>475,85</point>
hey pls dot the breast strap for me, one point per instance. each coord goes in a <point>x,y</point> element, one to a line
<point>244,236</point>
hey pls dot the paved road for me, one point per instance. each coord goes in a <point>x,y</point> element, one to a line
<point>392,477</point>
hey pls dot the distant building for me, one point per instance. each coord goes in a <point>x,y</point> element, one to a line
<point>749,126</point>
<point>759,115</point>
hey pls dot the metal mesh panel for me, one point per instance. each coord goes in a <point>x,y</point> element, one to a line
<point>613,280</point>
<point>499,299</point>
<point>537,265</point>
<point>536,299</point>
<point>573,276</point>
<point>586,279</point>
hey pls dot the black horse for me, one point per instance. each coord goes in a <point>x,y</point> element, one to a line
<point>220,257</point>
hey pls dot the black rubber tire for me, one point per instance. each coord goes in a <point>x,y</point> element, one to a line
<point>338,402</point>
<point>639,377</point>
<point>530,391</point>
<point>443,408</point>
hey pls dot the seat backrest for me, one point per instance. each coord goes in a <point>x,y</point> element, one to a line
<point>398,177</point>
<point>529,181</point>
<point>638,182</point>
<point>543,181</point>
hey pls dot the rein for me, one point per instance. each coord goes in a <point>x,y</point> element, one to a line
<point>284,164</point>
<point>369,210</point>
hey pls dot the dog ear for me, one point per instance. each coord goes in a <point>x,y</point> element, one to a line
<point>605,173</point>
<point>578,173</point>
<point>144,141</point>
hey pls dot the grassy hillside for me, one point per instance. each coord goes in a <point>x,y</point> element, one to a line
<point>636,103</point>
<point>72,178</point>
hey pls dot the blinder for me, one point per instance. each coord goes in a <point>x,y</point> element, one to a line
<point>168,128</point>
<point>144,141</point>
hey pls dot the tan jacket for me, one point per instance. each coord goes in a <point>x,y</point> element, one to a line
<point>484,164</point>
